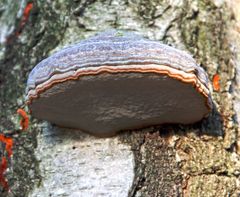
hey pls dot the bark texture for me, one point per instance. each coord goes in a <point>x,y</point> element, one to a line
<point>169,160</point>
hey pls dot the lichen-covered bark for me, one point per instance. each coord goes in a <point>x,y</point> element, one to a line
<point>21,48</point>
<point>170,160</point>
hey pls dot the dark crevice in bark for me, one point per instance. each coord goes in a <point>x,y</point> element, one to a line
<point>156,171</point>
<point>79,11</point>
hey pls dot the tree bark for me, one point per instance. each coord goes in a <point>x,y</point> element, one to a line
<point>169,160</point>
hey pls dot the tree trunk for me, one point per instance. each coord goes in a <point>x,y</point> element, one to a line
<point>170,160</point>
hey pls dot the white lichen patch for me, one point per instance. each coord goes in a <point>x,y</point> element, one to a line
<point>76,164</point>
<point>9,11</point>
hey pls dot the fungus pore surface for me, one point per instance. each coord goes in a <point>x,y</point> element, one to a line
<point>117,81</point>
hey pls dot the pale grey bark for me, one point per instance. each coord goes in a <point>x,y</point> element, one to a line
<point>76,164</point>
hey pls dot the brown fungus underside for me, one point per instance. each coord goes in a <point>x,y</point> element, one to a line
<point>113,82</point>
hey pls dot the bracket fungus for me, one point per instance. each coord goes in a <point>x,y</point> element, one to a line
<point>118,81</point>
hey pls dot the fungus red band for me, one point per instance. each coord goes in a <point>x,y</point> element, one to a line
<point>113,69</point>
<point>194,81</point>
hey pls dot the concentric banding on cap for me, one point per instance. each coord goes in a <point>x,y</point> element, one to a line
<point>110,49</point>
<point>149,68</point>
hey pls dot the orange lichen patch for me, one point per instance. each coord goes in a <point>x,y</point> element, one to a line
<point>24,122</point>
<point>216,82</point>
<point>27,10</point>
<point>26,14</point>
<point>174,73</point>
<point>24,19</point>
<point>3,168</point>
<point>9,144</point>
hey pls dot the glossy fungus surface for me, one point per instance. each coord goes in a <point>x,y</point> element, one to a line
<point>116,81</point>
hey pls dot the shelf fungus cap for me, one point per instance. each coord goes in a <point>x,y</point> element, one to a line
<point>118,81</point>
